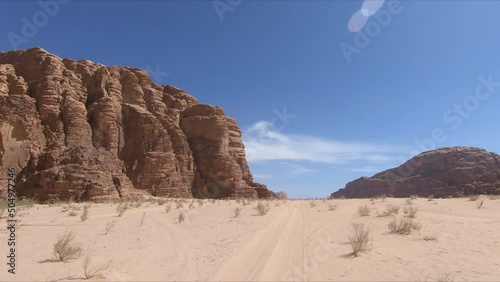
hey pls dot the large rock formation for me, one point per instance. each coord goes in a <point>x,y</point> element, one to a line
<point>444,172</point>
<point>80,129</point>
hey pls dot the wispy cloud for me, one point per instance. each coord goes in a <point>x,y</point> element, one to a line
<point>264,143</point>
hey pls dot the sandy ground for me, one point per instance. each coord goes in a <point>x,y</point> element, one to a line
<point>293,242</point>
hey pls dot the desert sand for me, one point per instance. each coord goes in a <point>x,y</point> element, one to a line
<point>295,241</point>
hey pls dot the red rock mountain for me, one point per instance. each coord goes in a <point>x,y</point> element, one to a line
<point>444,172</point>
<point>81,129</point>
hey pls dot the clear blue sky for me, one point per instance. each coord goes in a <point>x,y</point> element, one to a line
<point>351,119</point>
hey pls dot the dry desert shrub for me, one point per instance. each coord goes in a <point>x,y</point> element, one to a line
<point>390,210</point>
<point>262,209</point>
<point>181,217</point>
<point>410,211</point>
<point>480,204</point>
<point>179,205</point>
<point>168,208</point>
<point>359,238</point>
<point>122,207</point>
<point>494,197</point>
<point>383,197</point>
<point>142,218</point>
<point>409,201</point>
<point>430,197</point>
<point>277,204</point>
<point>201,203</point>
<point>65,248</point>
<point>447,277</point>
<point>414,197</point>
<point>27,202</point>
<point>236,212</point>
<point>473,198</point>
<point>136,205</point>
<point>109,226</point>
<point>430,238</point>
<point>94,272</point>
<point>332,207</point>
<point>191,206</point>
<point>85,213</point>
<point>161,201</point>
<point>312,204</point>
<point>404,226</point>
<point>72,213</point>
<point>364,210</point>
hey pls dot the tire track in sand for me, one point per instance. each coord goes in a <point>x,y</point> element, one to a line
<point>276,250</point>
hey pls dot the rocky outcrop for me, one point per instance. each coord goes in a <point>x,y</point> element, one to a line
<point>77,129</point>
<point>445,172</point>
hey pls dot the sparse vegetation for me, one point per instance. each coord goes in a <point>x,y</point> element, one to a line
<point>236,212</point>
<point>72,213</point>
<point>109,226</point>
<point>404,226</point>
<point>414,197</point>
<point>262,209</point>
<point>383,197</point>
<point>410,211</point>
<point>85,213</point>
<point>191,206</point>
<point>122,207</point>
<point>181,217</point>
<point>201,203</point>
<point>179,205</point>
<point>93,272</point>
<point>27,202</point>
<point>136,204</point>
<point>65,249</point>
<point>142,218</point>
<point>390,210</point>
<point>473,198</point>
<point>409,201</point>
<point>480,204</point>
<point>359,238</point>
<point>448,277</point>
<point>168,208</point>
<point>494,197</point>
<point>161,201</point>
<point>430,238</point>
<point>364,210</point>
<point>332,207</point>
<point>312,204</point>
<point>431,197</point>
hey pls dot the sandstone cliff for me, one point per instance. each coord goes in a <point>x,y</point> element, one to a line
<point>444,172</point>
<point>76,129</point>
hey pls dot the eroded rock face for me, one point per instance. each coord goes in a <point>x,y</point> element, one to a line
<point>445,172</point>
<point>76,129</point>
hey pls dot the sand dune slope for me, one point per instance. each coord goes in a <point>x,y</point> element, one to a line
<point>295,241</point>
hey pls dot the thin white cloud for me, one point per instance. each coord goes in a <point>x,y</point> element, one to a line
<point>264,143</point>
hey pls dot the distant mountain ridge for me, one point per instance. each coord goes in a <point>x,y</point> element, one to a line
<point>445,172</point>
